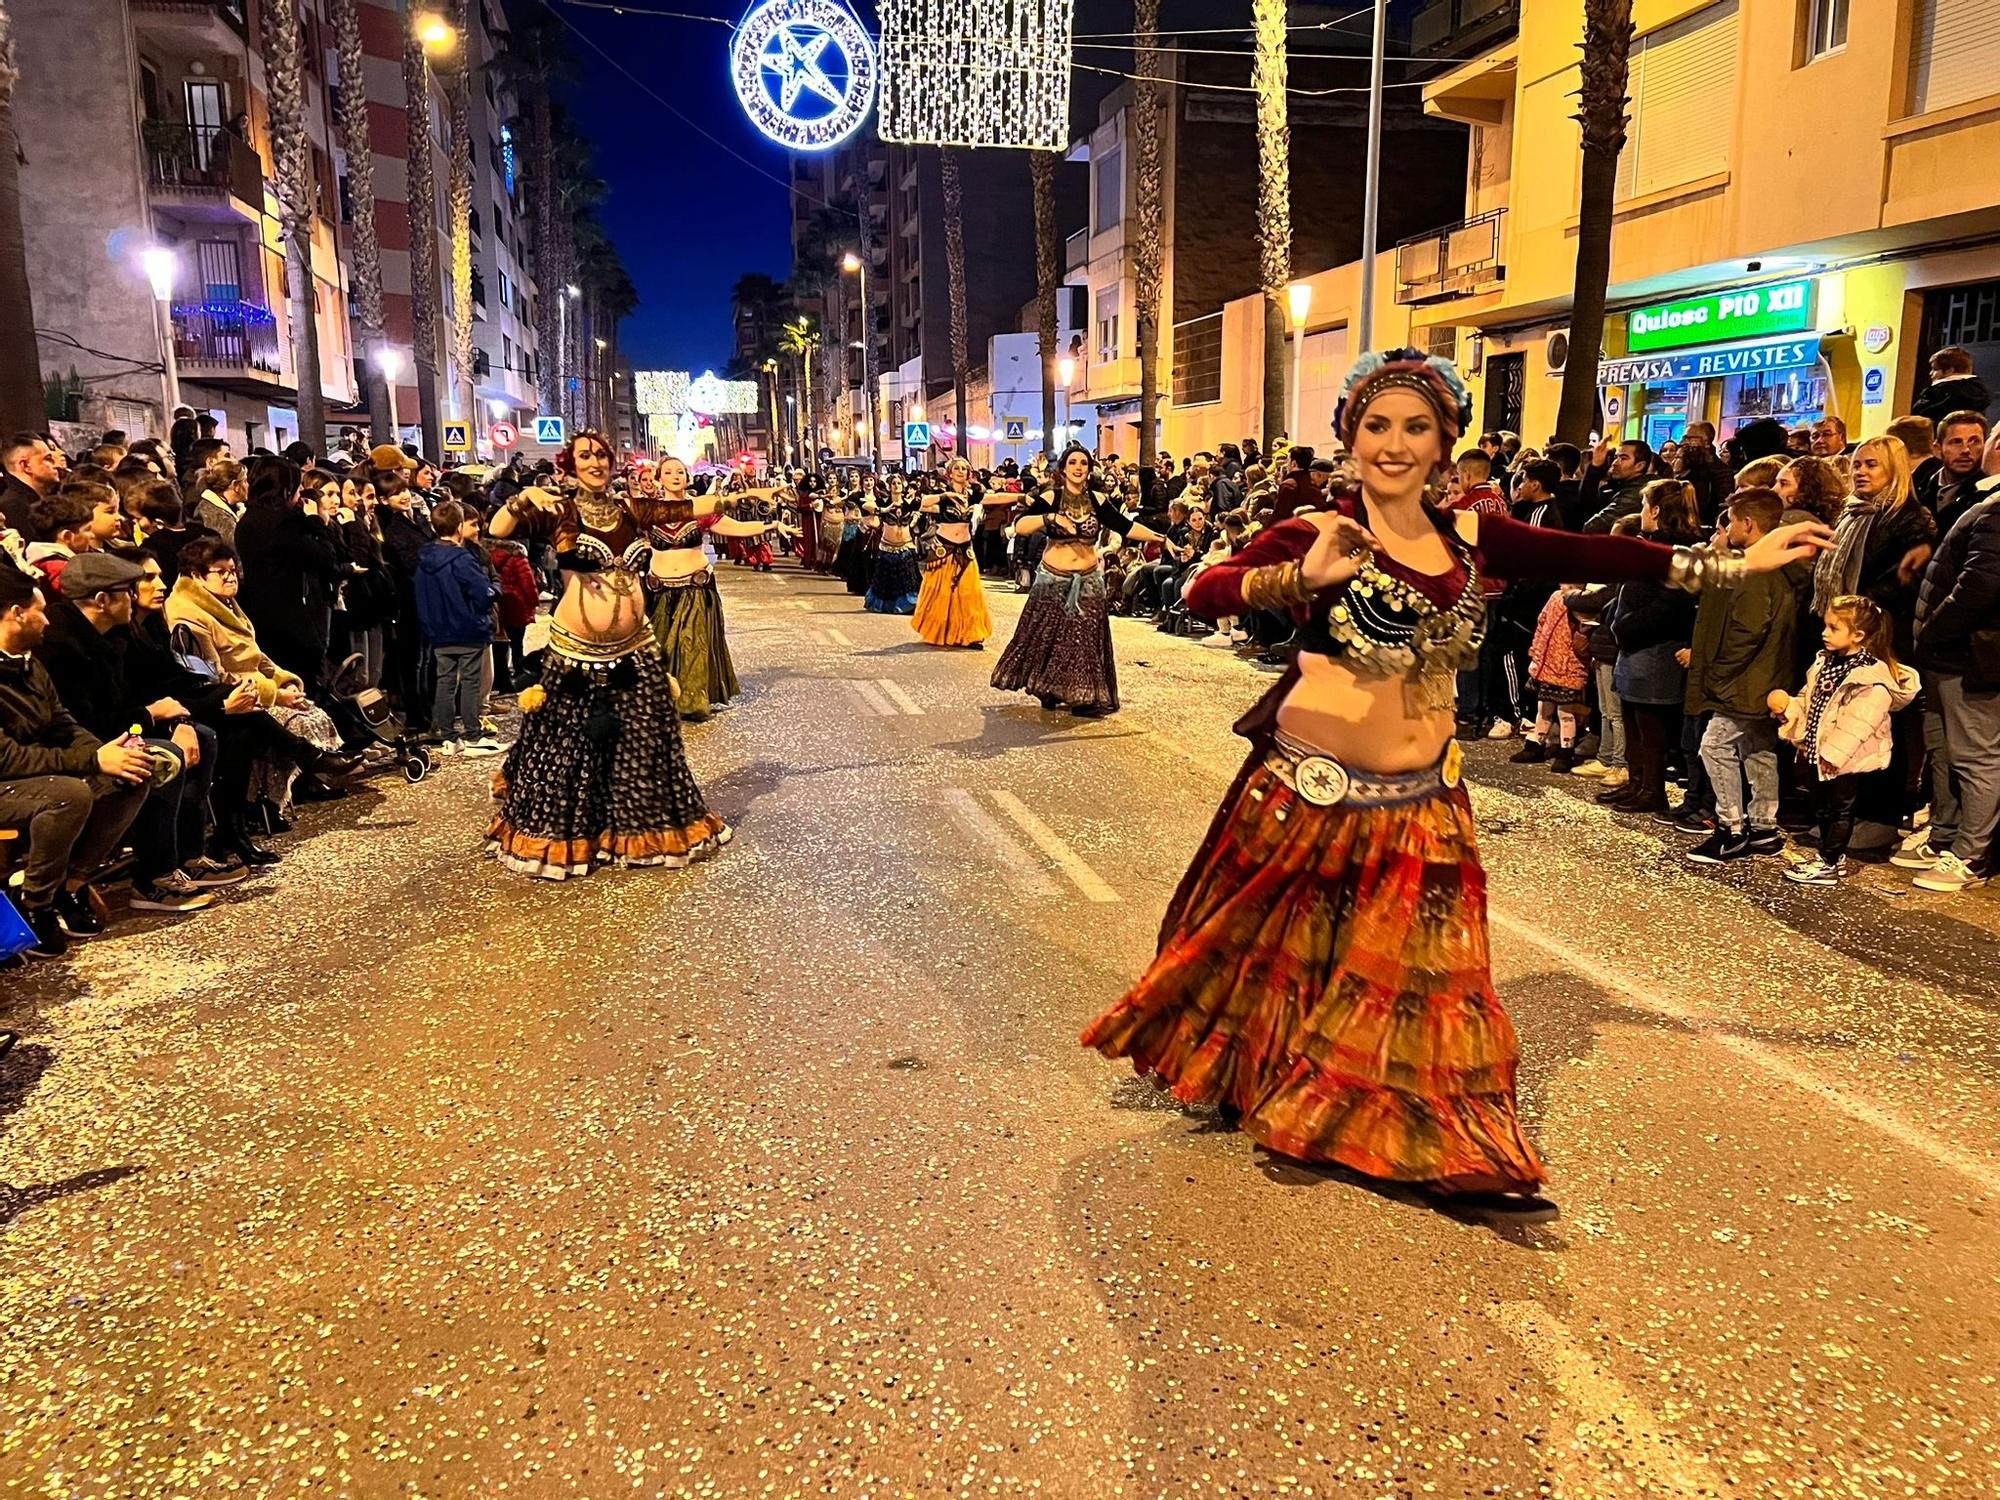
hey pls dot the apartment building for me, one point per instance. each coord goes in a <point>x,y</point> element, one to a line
<point>1807,206</point>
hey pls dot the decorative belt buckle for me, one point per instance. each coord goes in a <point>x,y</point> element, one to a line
<point>1322,782</point>
<point>1454,763</point>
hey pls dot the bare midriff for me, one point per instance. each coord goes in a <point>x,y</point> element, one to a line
<point>894,538</point>
<point>955,533</point>
<point>676,563</point>
<point>608,605</point>
<point>1066,555</point>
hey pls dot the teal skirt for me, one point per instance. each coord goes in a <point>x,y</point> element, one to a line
<point>687,622</point>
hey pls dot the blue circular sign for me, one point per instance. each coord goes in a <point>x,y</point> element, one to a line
<point>804,72</point>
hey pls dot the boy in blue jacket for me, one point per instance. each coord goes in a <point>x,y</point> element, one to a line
<point>455,596</point>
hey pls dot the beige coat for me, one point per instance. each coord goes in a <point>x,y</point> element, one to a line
<point>226,639</point>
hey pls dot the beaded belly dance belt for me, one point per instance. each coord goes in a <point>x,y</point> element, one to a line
<point>590,651</point>
<point>1325,782</point>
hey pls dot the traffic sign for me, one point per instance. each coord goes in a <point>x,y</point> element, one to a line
<point>503,435</point>
<point>916,434</point>
<point>458,437</point>
<point>1016,429</point>
<point>549,430</point>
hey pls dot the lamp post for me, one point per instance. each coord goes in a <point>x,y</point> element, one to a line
<point>1371,188</point>
<point>1066,372</point>
<point>1300,295</point>
<point>390,362</point>
<point>570,293</point>
<point>859,266</point>
<point>162,268</point>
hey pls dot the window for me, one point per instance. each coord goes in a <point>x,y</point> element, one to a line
<point>1108,190</point>
<point>506,352</point>
<point>1107,324</point>
<point>1683,91</point>
<point>1951,59</point>
<point>506,291</point>
<point>1826,27</point>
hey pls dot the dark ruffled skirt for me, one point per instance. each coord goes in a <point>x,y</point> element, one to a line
<point>855,563</point>
<point>951,605</point>
<point>687,622</point>
<point>1324,972</point>
<point>893,587</point>
<point>1062,644</point>
<point>598,775</point>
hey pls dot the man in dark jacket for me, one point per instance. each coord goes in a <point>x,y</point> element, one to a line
<point>1742,650</point>
<point>31,471</point>
<point>405,534</point>
<point>1958,652</point>
<point>72,795</point>
<point>1953,386</point>
<point>1952,487</point>
<point>1613,482</point>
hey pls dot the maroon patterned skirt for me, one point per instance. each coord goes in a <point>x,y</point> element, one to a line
<point>1062,643</point>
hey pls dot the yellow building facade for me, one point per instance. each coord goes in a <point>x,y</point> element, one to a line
<point>1808,204</point>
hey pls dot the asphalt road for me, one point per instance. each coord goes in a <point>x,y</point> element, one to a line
<point>785,1176</point>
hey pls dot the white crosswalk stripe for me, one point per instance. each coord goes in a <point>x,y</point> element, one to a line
<point>1051,843</point>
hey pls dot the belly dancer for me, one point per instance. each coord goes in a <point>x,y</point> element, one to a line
<point>1323,970</point>
<point>598,775</point>
<point>1061,650</point>
<point>687,613</point>
<point>951,606</point>
<point>893,585</point>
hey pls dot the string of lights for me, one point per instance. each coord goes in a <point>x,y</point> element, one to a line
<point>976,73</point>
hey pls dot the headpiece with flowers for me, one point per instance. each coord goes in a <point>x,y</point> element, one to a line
<point>1431,376</point>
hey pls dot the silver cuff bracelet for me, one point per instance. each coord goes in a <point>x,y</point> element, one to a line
<point>1702,566</point>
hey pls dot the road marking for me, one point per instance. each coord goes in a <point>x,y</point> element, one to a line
<point>1981,1172</point>
<point>901,699</point>
<point>1050,843</point>
<point>1620,1426</point>
<point>839,637</point>
<point>870,695</point>
<point>1020,867</point>
<point>799,603</point>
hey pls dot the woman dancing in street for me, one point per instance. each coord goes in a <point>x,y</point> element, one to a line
<point>1323,971</point>
<point>598,774</point>
<point>893,585</point>
<point>687,616</point>
<point>951,606</point>
<point>1061,650</point>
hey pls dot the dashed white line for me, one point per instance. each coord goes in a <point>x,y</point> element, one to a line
<point>1051,843</point>
<point>839,637</point>
<point>900,698</point>
<point>1020,867</point>
<point>871,696</point>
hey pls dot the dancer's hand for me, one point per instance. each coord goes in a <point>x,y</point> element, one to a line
<point>1787,544</point>
<point>1342,550</point>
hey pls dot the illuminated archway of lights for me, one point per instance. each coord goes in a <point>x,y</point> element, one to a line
<point>804,72</point>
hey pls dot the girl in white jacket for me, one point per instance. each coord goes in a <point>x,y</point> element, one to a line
<point>1840,722</point>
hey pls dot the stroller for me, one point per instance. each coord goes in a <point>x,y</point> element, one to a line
<point>371,706</point>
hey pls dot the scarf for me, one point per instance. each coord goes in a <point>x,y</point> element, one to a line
<point>1833,671</point>
<point>1838,570</point>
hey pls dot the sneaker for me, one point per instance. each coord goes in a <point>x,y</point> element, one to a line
<point>79,918</point>
<point>1239,637</point>
<point>1917,857</point>
<point>1561,760</point>
<point>1215,638</point>
<point>50,939</point>
<point>1693,824</point>
<point>448,747</point>
<point>1766,841</point>
<point>173,892</point>
<point>1592,768</point>
<point>1617,776</point>
<point>206,874</point>
<point>1949,874</point>
<point>1817,872</point>
<point>478,749</point>
<point>1533,752</point>
<point>1501,730</point>
<point>1720,848</point>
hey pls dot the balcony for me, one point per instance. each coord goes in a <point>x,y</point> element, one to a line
<point>1455,261</point>
<point>202,171</point>
<point>1076,252</point>
<point>230,344</point>
<point>222,23</point>
<point>1450,29</point>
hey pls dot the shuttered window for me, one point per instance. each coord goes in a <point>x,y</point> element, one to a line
<point>1683,92</point>
<point>1956,53</point>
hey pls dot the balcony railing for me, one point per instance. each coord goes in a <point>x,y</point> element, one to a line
<point>1452,261</point>
<point>202,161</point>
<point>228,335</point>
<point>1459,28</point>
<point>1076,251</point>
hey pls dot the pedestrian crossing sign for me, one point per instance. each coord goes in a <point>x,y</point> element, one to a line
<point>549,430</point>
<point>1016,429</point>
<point>916,434</point>
<point>458,437</point>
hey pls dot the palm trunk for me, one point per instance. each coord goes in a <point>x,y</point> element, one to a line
<point>1048,271</point>
<point>423,241</point>
<point>1607,42</point>
<point>284,77</point>
<point>458,93</point>
<point>1274,204</point>
<point>22,404</point>
<point>364,247</point>
<point>954,258</point>
<point>548,274</point>
<point>1148,210</point>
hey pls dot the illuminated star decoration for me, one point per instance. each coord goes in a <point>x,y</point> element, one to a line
<point>804,72</point>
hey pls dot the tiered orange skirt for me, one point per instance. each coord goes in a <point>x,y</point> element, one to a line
<point>951,604</point>
<point>1324,972</point>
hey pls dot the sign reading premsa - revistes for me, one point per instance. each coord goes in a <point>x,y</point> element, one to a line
<point>1721,317</point>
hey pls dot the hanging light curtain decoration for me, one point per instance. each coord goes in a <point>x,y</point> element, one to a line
<point>976,73</point>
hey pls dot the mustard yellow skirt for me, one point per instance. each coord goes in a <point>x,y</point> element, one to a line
<point>951,605</point>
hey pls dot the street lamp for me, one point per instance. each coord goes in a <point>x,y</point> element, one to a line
<point>434,31</point>
<point>1300,295</point>
<point>855,264</point>
<point>570,293</point>
<point>162,268</point>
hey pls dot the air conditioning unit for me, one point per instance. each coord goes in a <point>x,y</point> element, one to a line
<point>1556,351</point>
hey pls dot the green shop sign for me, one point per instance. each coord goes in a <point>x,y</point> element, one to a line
<point>1721,317</point>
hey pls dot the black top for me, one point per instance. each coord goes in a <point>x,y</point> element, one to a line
<point>1103,516</point>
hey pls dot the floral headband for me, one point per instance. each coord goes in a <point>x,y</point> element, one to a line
<point>1434,378</point>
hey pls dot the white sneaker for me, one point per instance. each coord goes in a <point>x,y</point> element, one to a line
<point>1817,872</point>
<point>1915,856</point>
<point>1950,874</point>
<point>478,749</point>
<point>1592,767</point>
<point>1217,640</point>
<point>1239,637</point>
<point>1501,730</point>
<point>1617,776</point>
<point>448,747</point>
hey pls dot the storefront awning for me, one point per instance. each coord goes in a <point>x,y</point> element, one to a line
<point>1712,362</point>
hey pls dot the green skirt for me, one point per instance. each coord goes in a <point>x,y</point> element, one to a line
<point>688,624</point>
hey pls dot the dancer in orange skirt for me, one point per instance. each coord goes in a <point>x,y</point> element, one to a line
<point>1323,972</point>
<point>951,605</point>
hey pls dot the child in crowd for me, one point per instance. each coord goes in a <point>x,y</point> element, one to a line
<point>1557,674</point>
<point>1230,538</point>
<point>1840,722</point>
<point>455,598</point>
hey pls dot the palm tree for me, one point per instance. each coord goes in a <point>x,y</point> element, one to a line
<point>458,90</point>
<point>423,235</point>
<point>364,248</point>
<point>801,340</point>
<point>285,94</point>
<point>533,61</point>
<point>1148,212</point>
<point>1274,203</point>
<point>954,260</point>
<point>1048,276</point>
<point>21,401</point>
<point>1606,48</point>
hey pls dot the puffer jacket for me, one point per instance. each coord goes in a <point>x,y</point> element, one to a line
<point>1960,594</point>
<point>1854,734</point>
